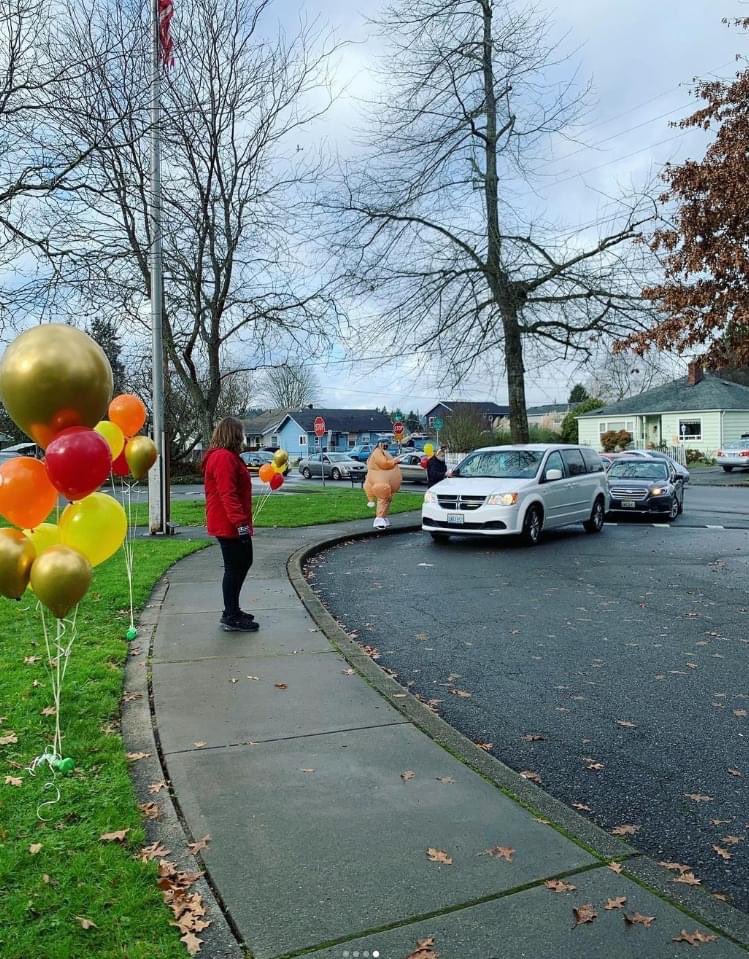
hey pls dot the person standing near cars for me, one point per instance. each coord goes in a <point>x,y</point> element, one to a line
<point>437,467</point>
<point>228,507</point>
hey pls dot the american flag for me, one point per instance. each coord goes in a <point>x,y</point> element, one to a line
<point>166,12</point>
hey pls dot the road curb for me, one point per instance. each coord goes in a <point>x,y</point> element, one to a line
<point>140,734</point>
<point>697,902</point>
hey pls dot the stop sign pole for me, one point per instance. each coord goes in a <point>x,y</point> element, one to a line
<point>319,427</point>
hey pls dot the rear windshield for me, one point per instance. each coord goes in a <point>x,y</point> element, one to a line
<point>501,464</point>
<point>639,469</point>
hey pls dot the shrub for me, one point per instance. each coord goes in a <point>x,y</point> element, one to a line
<point>615,440</point>
<point>569,423</point>
<point>694,456</point>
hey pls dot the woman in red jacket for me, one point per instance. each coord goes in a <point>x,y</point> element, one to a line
<point>228,507</point>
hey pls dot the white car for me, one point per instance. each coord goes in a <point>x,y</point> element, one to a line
<point>519,490</point>
<point>734,454</point>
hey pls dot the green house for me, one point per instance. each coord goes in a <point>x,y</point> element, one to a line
<point>699,411</point>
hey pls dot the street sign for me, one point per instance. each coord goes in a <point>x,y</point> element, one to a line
<point>437,423</point>
<point>319,427</point>
<point>398,429</point>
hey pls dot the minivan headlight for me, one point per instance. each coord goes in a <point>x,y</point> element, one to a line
<point>430,497</point>
<point>502,499</point>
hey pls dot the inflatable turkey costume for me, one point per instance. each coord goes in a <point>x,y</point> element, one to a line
<point>382,483</point>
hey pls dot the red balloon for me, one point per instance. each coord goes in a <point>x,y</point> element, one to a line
<point>424,462</point>
<point>120,465</point>
<point>276,481</point>
<point>78,462</point>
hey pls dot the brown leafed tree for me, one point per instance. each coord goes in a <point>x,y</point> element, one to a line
<point>703,301</point>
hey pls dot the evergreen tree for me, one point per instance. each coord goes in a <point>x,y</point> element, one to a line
<point>106,335</point>
<point>578,394</point>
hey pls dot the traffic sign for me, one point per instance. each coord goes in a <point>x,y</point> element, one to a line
<point>398,429</point>
<point>437,423</point>
<point>319,427</point>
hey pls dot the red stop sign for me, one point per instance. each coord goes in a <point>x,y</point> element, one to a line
<point>398,429</point>
<point>319,426</point>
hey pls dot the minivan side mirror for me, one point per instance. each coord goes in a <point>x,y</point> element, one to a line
<point>552,475</point>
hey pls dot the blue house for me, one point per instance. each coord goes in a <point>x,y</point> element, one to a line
<point>294,430</point>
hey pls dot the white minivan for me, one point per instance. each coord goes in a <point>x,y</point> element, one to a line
<point>519,490</point>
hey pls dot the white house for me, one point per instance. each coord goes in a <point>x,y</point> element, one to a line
<point>699,411</point>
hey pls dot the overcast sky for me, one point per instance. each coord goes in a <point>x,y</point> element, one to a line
<point>641,57</point>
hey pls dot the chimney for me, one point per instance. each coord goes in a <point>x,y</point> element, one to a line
<point>694,373</point>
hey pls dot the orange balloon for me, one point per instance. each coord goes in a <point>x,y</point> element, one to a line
<point>266,472</point>
<point>129,413</point>
<point>27,496</point>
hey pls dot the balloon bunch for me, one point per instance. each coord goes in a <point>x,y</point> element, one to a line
<point>273,474</point>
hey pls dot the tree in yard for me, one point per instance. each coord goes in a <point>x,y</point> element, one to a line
<point>432,220</point>
<point>106,334</point>
<point>237,290</point>
<point>617,375</point>
<point>578,394</point>
<point>412,422</point>
<point>290,386</point>
<point>464,431</point>
<point>569,423</point>
<point>704,299</point>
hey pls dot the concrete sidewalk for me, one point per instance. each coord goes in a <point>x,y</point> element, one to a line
<point>301,773</point>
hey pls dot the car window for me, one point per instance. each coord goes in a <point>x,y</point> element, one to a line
<point>501,464</point>
<point>639,469</point>
<point>554,462</point>
<point>593,461</point>
<point>573,460</point>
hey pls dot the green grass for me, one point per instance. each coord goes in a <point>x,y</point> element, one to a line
<point>103,882</point>
<point>299,509</point>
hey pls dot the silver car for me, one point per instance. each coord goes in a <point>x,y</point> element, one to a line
<point>734,455</point>
<point>411,468</point>
<point>336,465</point>
<point>21,449</point>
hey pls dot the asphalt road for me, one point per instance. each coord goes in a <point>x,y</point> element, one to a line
<point>628,649</point>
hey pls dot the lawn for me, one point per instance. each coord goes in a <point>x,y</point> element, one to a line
<point>73,873</point>
<point>298,509</point>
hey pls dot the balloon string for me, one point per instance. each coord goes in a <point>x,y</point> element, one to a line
<point>128,542</point>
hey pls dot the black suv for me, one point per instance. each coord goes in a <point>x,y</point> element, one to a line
<point>645,486</point>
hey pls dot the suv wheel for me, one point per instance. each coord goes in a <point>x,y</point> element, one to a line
<point>674,511</point>
<point>336,474</point>
<point>597,518</point>
<point>532,525</point>
<point>727,469</point>
<point>306,473</point>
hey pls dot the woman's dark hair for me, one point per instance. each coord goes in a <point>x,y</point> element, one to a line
<point>228,435</point>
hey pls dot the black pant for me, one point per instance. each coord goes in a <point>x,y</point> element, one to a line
<point>237,556</point>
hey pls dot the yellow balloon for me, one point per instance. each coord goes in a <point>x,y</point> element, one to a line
<point>113,435</point>
<point>17,554</point>
<point>43,536</point>
<point>428,449</point>
<point>54,376</point>
<point>140,454</point>
<point>60,579</point>
<point>95,526</point>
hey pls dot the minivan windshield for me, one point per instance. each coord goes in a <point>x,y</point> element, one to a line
<point>639,469</point>
<point>500,464</point>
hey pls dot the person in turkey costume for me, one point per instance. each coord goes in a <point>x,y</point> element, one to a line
<point>382,483</point>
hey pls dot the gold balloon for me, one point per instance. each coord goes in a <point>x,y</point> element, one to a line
<point>53,377</point>
<point>280,459</point>
<point>17,553</point>
<point>60,579</point>
<point>140,453</point>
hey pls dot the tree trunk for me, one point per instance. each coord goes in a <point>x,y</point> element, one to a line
<point>515,376</point>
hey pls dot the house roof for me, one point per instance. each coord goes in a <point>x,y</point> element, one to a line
<point>341,421</point>
<point>268,420</point>
<point>711,393</point>
<point>548,408</point>
<point>466,406</point>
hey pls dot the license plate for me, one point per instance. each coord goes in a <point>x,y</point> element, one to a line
<point>455,519</point>
<point>629,503</point>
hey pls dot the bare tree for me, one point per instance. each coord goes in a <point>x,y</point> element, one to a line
<point>463,431</point>
<point>237,293</point>
<point>615,376</point>
<point>432,222</point>
<point>288,387</point>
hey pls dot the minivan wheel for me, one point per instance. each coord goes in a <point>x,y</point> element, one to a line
<point>597,518</point>
<point>306,473</point>
<point>532,525</point>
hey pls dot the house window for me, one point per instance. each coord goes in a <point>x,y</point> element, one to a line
<point>303,439</point>
<point>690,430</point>
<point>274,439</point>
<point>607,426</point>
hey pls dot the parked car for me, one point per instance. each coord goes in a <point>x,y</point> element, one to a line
<point>361,453</point>
<point>411,468</point>
<point>645,485</point>
<point>336,465</point>
<point>254,459</point>
<point>21,449</point>
<point>519,490</point>
<point>734,455</point>
<point>659,455</point>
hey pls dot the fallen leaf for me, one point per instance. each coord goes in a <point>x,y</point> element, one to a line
<point>616,867</point>
<point>118,836</point>
<point>721,896</point>
<point>407,775</point>
<point>698,797</point>
<point>499,852</point>
<point>439,855</point>
<point>200,844</point>
<point>9,739</point>
<point>86,923</point>
<point>199,744</point>
<point>281,685</point>
<point>30,660</point>
<point>154,851</point>
<point>581,806</point>
<point>530,775</point>
<point>616,903</point>
<point>594,766</point>
<point>49,711</point>
<point>424,950</point>
<point>485,746</point>
<point>192,943</point>
<point>559,885</point>
<point>462,693</point>
<point>735,772</point>
<point>447,780</point>
<point>694,938</point>
<point>150,810</point>
<point>34,848</point>
<point>720,822</point>
<point>637,919</point>
<point>675,866</point>
<point>626,724</point>
<point>689,879</point>
<point>156,787</point>
<point>740,713</point>
<point>49,880</point>
<point>723,853</point>
<point>627,830</point>
<point>308,770</point>
<point>134,757</point>
<point>732,840</point>
<point>584,913</point>
<point>346,672</point>
<point>13,781</point>
<point>533,738</point>
<point>129,697</point>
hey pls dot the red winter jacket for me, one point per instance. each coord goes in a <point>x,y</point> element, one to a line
<point>228,493</point>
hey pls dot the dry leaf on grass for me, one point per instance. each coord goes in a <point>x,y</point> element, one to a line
<point>200,844</point>
<point>13,781</point>
<point>559,885</point>
<point>408,775</point>
<point>8,740</point>
<point>616,867</point>
<point>118,836</point>
<point>86,923</point>
<point>424,950</point>
<point>154,851</point>
<point>134,757</point>
<point>34,848</point>
<point>49,711</point>
<point>698,797</point>
<point>689,879</point>
<point>31,660</point>
<point>637,919</point>
<point>439,855</point>
<point>694,938</point>
<point>616,903</point>
<point>584,913</point>
<point>626,830</point>
<point>192,943</point>
<point>530,775</point>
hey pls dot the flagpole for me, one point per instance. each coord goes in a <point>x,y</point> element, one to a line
<point>158,487</point>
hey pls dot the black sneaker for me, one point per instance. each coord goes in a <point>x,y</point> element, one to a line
<point>248,618</point>
<point>237,624</point>
<point>246,615</point>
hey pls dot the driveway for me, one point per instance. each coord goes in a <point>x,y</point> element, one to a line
<point>612,667</point>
